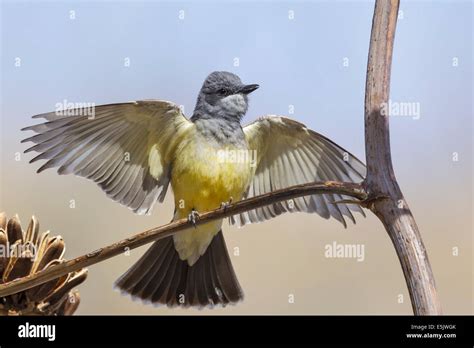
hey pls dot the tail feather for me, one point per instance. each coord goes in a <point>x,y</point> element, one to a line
<point>221,265</point>
<point>156,280</point>
<point>161,277</point>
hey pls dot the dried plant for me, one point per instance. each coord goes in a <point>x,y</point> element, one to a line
<point>26,253</point>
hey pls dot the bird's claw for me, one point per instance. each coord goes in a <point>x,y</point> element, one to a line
<point>193,216</point>
<point>225,205</point>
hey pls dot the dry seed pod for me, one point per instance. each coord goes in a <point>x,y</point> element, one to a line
<point>26,253</point>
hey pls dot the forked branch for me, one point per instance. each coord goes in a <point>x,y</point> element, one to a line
<point>393,211</point>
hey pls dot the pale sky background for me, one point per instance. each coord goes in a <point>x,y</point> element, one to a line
<point>297,62</point>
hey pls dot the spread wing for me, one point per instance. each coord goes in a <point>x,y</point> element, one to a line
<point>125,148</point>
<point>288,154</point>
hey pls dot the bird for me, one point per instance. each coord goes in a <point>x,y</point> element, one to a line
<point>135,150</point>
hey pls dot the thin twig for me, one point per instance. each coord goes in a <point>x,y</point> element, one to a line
<point>137,240</point>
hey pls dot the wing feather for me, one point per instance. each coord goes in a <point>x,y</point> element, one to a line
<point>288,154</point>
<point>113,148</point>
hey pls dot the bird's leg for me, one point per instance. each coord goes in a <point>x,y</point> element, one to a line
<point>225,205</point>
<point>193,216</point>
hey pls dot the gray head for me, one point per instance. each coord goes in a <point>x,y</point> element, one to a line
<point>223,95</point>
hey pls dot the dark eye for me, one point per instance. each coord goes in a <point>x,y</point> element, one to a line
<point>222,91</point>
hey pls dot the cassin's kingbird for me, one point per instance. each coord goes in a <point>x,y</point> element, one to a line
<point>135,150</point>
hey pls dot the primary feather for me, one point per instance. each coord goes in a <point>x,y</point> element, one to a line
<point>125,148</point>
<point>288,153</point>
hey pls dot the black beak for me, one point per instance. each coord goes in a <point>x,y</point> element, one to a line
<point>246,89</point>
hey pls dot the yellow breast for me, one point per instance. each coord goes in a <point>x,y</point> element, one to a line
<point>203,177</point>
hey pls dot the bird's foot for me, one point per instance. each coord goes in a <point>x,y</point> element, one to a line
<point>225,205</point>
<point>193,217</point>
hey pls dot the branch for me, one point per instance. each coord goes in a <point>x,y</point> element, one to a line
<point>393,210</point>
<point>137,240</point>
